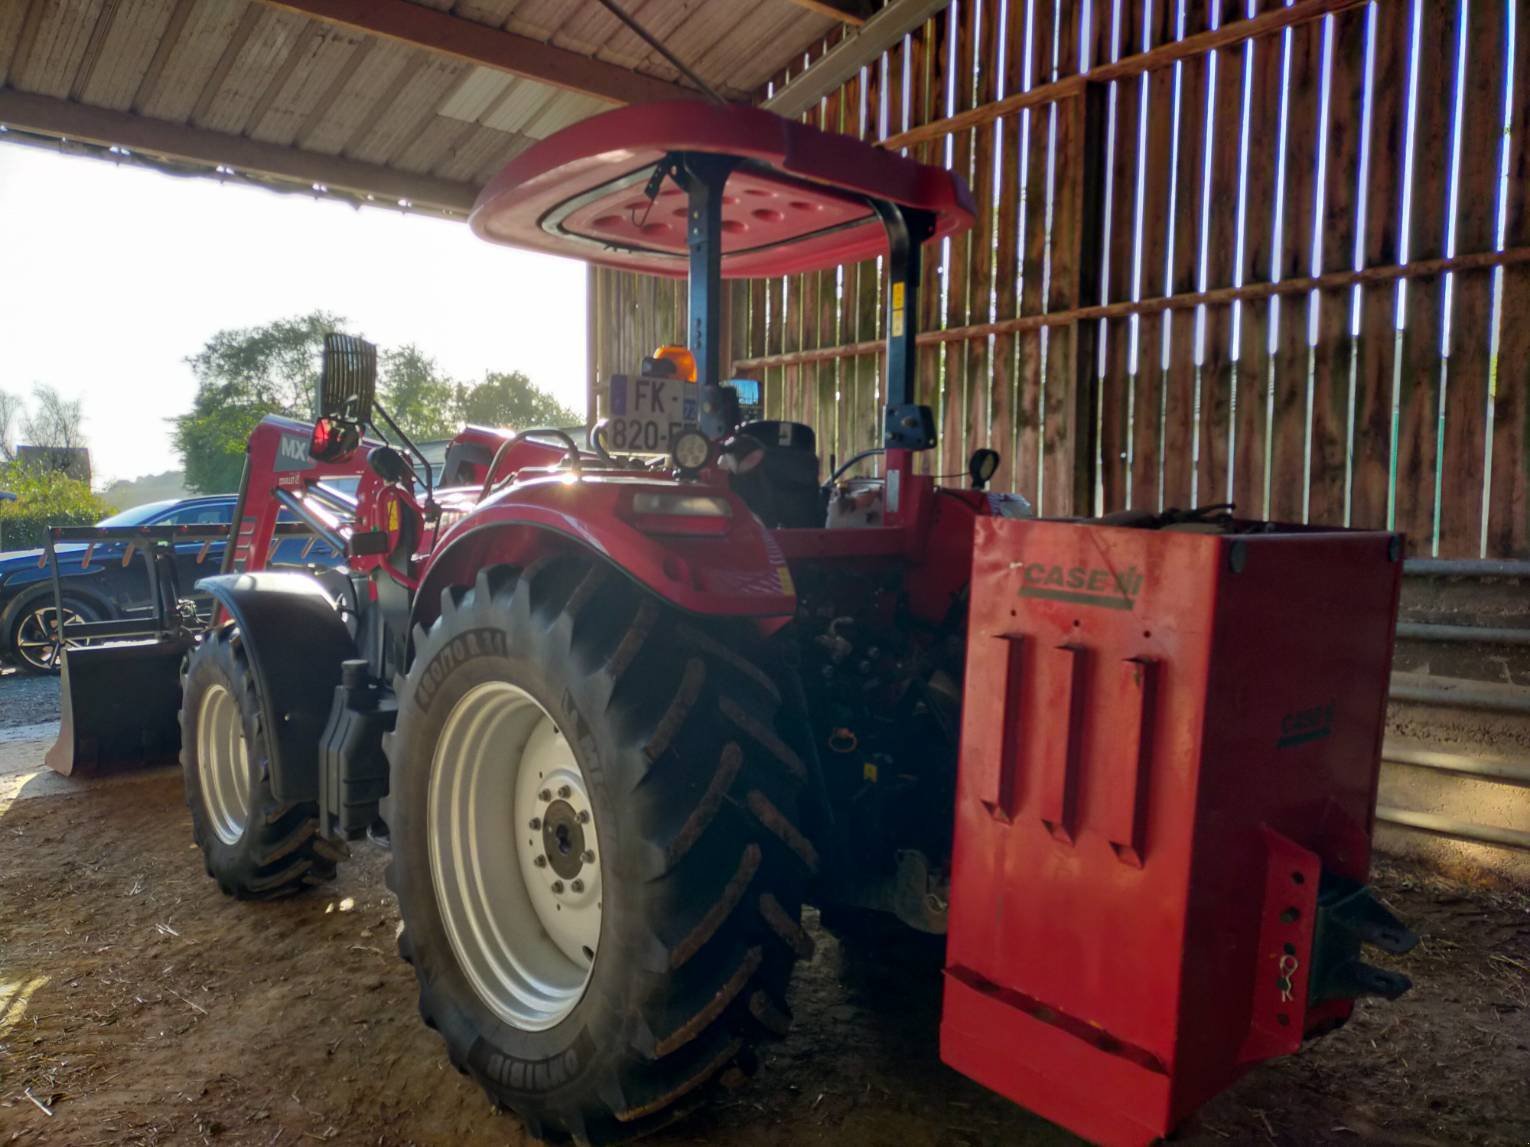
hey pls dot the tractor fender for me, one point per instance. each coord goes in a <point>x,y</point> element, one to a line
<point>742,573</point>
<point>295,640</point>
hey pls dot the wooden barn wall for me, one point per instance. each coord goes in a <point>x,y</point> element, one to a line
<point>1272,254</point>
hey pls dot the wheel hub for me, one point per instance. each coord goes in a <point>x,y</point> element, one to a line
<point>563,839</point>
<point>37,637</point>
<point>514,855</point>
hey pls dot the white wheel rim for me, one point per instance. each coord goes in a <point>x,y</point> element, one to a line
<point>36,642</point>
<point>514,856</point>
<point>223,764</point>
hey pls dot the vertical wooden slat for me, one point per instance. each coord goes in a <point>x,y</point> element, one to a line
<point>1067,448</point>
<point>1217,371</point>
<point>1001,372</point>
<point>1481,125</point>
<point>1180,379</point>
<point>775,343</point>
<point>1334,358</point>
<point>791,340</point>
<point>1120,368</point>
<point>1420,377</point>
<point>1509,505</point>
<point>826,323</point>
<point>958,95</point>
<point>978,368</point>
<point>1251,418</point>
<point>1147,492</point>
<point>844,369</point>
<point>1375,363</point>
<point>1293,354</point>
<point>1035,139</point>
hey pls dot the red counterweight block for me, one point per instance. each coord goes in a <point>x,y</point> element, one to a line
<point>1170,746</point>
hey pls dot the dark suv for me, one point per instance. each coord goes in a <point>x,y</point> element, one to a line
<point>99,585</point>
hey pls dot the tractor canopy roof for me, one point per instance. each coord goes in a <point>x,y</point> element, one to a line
<point>798,201</point>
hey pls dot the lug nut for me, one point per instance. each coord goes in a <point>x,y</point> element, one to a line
<point>565,792</point>
<point>587,856</point>
<point>577,885</point>
<point>584,817</point>
<point>539,861</point>
<point>536,823</point>
<point>558,887</point>
<point>544,796</point>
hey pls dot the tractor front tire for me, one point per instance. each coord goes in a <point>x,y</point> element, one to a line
<point>255,846</point>
<point>657,732</point>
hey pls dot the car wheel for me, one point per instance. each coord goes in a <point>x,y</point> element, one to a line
<point>32,640</point>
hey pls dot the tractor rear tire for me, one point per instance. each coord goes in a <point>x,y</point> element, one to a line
<point>667,726</point>
<point>255,846</point>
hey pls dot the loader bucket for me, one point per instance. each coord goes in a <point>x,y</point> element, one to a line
<point>119,706</point>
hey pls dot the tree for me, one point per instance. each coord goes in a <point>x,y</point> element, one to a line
<point>420,399</point>
<point>244,374</point>
<point>510,399</point>
<point>54,421</point>
<point>10,407</point>
<point>276,364</point>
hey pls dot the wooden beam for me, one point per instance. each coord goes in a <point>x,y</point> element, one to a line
<point>225,64</point>
<point>826,74</point>
<point>1218,296</point>
<point>855,12</point>
<point>1229,35</point>
<point>63,118</point>
<point>462,39</point>
<point>148,85</point>
<point>92,56</point>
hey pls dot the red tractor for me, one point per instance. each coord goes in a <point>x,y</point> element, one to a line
<point>621,704</point>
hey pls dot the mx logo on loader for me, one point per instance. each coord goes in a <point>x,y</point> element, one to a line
<point>1081,585</point>
<point>292,453</point>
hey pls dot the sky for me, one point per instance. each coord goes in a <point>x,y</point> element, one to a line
<point>111,275</point>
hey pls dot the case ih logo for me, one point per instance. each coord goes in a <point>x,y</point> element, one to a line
<point>1305,725</point>
<point>1081,585</point>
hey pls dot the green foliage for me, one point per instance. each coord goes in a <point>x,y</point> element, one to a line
<point>247,373</point>
<point>418,396</point>
<point>242,375</point>
<point>276,365</point>
<point>511,400</point>
<point>44,497</point>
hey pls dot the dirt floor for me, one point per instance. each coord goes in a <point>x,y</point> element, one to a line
<point>140,1006</point>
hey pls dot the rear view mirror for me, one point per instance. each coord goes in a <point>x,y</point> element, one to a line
<point>347,378</point>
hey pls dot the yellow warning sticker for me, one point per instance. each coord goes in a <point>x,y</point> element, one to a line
<point>393,522</point>
<point>897,310</point>
<point>785,576</point>
<point>869,771</point>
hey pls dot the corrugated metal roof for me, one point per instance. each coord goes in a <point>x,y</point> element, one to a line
<point>285,97</point>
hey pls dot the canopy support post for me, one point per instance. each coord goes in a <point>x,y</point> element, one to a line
<point>909,426</point>
<point>703,176</point>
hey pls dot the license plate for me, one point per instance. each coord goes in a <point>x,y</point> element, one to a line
<point>645,413</point>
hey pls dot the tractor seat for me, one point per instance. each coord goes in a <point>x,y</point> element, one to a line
<point>783,489</point>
